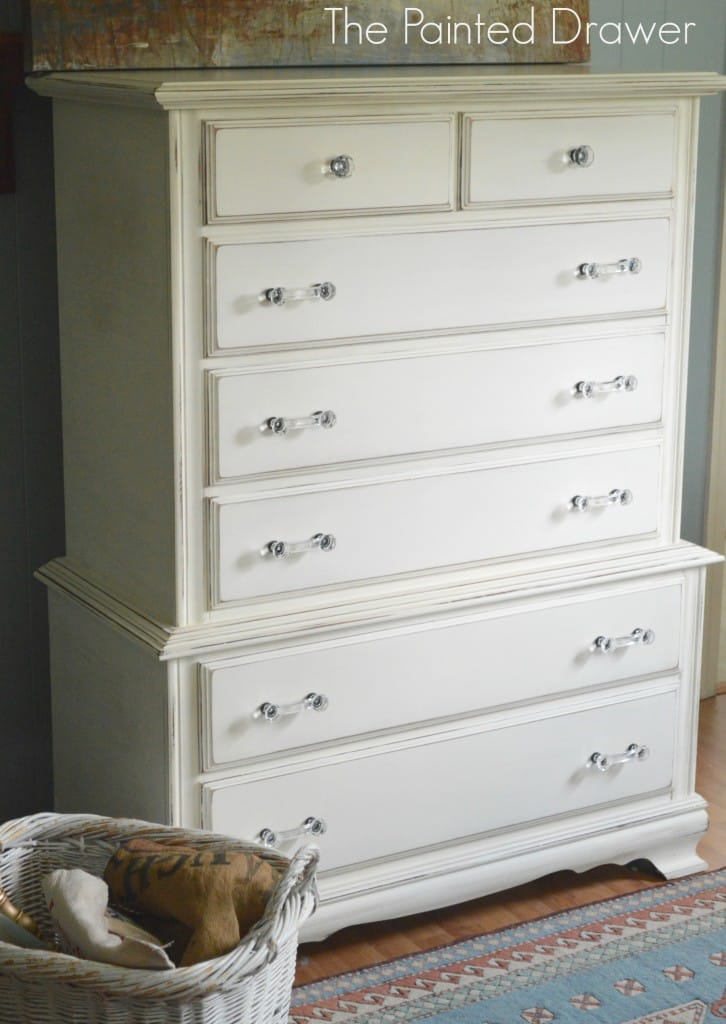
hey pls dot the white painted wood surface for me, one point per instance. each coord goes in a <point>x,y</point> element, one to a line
<point>281,169</point>
<point>449,786</point>
<point>662,826</point>
<point>449,550</point>
<point>387,680</point>
<point>118,430</point>
<point>389,406</point>
<point>458,517</point>
<point>109,718</point>
<point>632,154</point>
<point>423,281</point>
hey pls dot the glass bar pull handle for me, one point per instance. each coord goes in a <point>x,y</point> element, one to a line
<point>271,712</point>
<point>279,296</point>
<point>588,388</point>
<point>639,636</point>
<point>592,271</point>
<point>310,827</point>
<point>604,762</point>
<point>284,548</point>
<point>283,424</point>
<point>583,502</point>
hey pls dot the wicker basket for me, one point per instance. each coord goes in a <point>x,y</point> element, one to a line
<point>250,985</point>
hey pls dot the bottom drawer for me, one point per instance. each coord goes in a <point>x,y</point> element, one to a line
<point>495,773</point>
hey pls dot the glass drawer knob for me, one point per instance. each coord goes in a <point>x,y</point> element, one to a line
<point>341,166</point>
<point>582,156</point>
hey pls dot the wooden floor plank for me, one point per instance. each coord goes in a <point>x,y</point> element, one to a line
<point>366,945</point>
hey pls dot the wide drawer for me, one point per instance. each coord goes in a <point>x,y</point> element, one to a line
<point>530,159</point>
<point>406,525</point>
<point>331,166</point>
<point>338,286</point>
<point>287,698</point>
<point>376,803</point>
<point>263,420</point>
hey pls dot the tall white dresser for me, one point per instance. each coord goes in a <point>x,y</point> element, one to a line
<point>373,408</point>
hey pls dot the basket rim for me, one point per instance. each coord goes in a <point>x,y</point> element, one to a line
<point>292,901</point>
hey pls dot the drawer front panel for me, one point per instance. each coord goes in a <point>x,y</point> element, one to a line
<point>559,158</point>
<point>376,804</point>
<point>432,281</point>
<point>410,405</point>
<point>263,171</point>
<point>402,526</point>
<point>386,681</point>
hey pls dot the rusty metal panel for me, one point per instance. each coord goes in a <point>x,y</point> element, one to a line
<point>82,34</point>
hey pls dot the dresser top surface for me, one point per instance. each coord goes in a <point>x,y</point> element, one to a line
<point>172,89</point>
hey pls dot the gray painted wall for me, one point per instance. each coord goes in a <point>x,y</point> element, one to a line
<point>705,52</point>
<point>31,518</point>
<point>31,522</point>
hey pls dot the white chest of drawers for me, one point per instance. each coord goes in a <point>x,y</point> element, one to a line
<point>373,388</point>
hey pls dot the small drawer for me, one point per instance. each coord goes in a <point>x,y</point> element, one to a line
<point>317,168</point>
<point>343,286</point>
<point>280,699</point>
<point>349,532</point>
<point>270,420</point>
<point>447,787</point>
<point>550,159</point>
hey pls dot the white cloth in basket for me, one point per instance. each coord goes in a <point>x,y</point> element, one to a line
<point>78,904</point>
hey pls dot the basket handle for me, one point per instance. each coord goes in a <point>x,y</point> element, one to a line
<point>297,886</point>
<point>298,880</point>
<point>301,872</point>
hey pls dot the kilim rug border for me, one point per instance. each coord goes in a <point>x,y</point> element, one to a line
<point>657,956</point>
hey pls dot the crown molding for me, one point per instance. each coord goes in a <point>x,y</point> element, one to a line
<point>229,87</point>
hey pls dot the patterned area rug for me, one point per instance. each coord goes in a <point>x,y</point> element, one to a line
<point>654,957</point>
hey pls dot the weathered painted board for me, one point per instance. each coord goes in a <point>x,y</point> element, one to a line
<point>82,34</point>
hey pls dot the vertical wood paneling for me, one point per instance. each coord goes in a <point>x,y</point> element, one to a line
<point>713,144</point>
<point>706,42</point>
<point>706,51</point>
<point>606,58</point>
<point>641,57</point>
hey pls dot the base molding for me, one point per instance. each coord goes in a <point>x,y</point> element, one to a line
<point>667,839</point>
